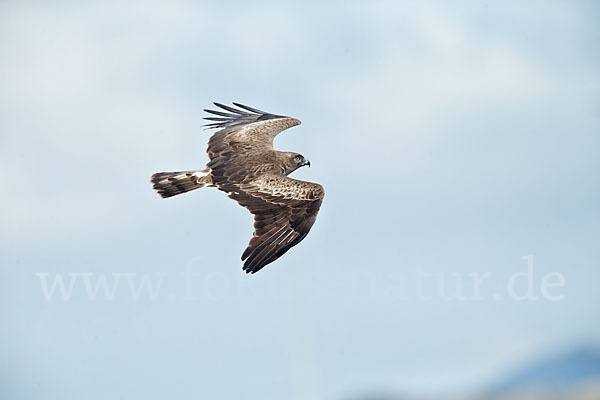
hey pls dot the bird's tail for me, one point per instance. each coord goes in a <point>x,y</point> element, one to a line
<point>169,184</point>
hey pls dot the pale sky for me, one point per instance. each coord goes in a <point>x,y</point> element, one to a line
<point>451,138</point>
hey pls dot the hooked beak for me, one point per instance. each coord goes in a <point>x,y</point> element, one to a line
<point>307,163</point>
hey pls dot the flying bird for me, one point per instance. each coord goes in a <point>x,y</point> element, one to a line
<point>244,164</point>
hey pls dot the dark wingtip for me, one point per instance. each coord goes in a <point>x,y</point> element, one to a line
<point>228,108</point>
<point>248,108</point>
<point>248,271</point>
<point>244,115</point>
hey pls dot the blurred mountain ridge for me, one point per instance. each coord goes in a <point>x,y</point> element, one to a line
<point>570,375</point>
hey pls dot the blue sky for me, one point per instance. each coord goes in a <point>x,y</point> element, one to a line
<point>450,138</point>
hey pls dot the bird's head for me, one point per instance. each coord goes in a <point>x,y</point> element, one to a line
<point>293,162</point>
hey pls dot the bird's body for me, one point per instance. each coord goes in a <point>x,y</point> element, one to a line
<point>244,164</point>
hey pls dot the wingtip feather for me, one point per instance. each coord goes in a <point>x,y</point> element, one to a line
<point>244,115</point>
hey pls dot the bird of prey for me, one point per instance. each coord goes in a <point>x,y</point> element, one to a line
<point>244,164</point>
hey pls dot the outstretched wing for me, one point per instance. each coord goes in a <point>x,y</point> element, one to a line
<point>284,211</point>
<point>246,128</point>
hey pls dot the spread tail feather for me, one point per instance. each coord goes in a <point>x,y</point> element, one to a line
<point>169,184</point>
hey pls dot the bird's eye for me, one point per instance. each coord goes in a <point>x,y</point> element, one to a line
<point>298,158</point>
